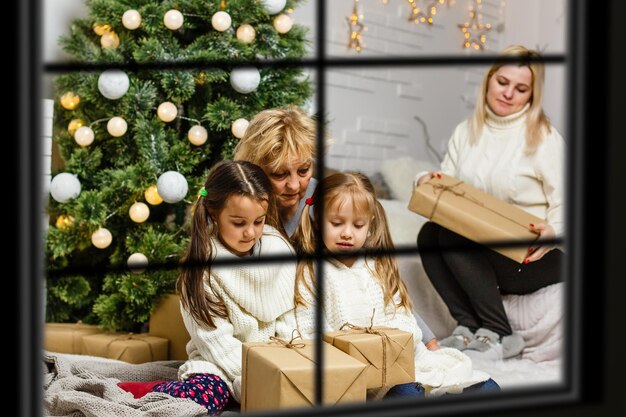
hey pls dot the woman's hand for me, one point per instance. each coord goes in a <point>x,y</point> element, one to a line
<point>425,178</point>
<point>546,232</point>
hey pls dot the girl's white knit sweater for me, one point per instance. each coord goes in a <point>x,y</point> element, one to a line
<point>352,294</point>
<point>255,295</point>
<point>498,165</point>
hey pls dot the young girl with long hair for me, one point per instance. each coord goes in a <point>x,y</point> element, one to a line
<point>362,283</point>
<point>224,305</point>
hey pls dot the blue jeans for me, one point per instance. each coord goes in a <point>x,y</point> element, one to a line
<point>414,390</point>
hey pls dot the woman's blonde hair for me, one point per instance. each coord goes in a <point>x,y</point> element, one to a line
<point>537,123</point>
<point>356,188</point>
<point>276,135</point>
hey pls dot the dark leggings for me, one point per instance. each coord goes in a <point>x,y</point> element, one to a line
<point>470,278</point>
<point>207,390</point>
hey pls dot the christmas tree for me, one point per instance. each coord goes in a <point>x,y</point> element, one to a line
<point>138,137</point>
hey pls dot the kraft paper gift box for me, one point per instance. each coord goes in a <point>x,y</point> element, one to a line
<point>388,353</point>
<point>67,337</point>
<point>167,322</point>
<point>127,347</point>
<point>476,215</point>
<point>275,376</point>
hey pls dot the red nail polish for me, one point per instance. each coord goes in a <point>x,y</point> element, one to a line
<point>532,225</point>
<point>526,260</point>
<point>530,250</point>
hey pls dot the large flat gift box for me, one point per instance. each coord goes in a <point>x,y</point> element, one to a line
<point>275,376</point>
<point>476,215</point>
<point>67,337</point>
<point>388,353</point>
<point>127,347</point>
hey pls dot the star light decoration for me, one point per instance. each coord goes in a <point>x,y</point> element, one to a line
<point>474,31</point>
<point>419,15</point>
<point>355,27</point>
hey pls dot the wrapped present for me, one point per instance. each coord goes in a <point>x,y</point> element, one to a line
<point>67,337</point>
<point>128,347</point>
<point>388,353</point>
<point>279,374</point>
<point>476,215</point>
<point>167,322</point>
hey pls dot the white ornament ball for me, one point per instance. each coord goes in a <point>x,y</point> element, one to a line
<point>113,83</point>
<point>84,136</point>
<point>131,19</point>
<point>101,238</point>
<point>239,127</point>
<point>197,135</point>
<point>221,21</point>
<point>245,80</point>
<point>274,6</point>
<point>173,19</point>
<point>167,111</point>
<point>246,33</point>
<point>64,187</point>
<point>172,187</point>
<point>137,262</point>
<point>139,212</point>
<point>283,23</point>
<point>117,126</point>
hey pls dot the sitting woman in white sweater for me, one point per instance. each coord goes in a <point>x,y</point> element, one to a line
<point>225,302</point>
<point>367,289</point>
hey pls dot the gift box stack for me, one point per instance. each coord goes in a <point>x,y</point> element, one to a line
<point>280,374</point>
<point>89,339</point>
<point>476,215</point>
<point>67,337</point>
<point>127,347</point>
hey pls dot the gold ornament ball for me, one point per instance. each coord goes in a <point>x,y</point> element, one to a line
<point>246,33</point>
<point>283,23</point>
<point>197,135</point>
<point>152,195</point>
<point>84,136</point>
<point>239,127</point>
<point>201,78</point>
<point>137,262</point>
<point>131,19</point>
<point>64,222</point>
<point>221,21</point>
<point>74,125</point>
<point>101,29</point>
<point>101,238</point>
<point>173,19</point>
<point>167,111</point>
<point>110,40</point>
<point>70,101</point>
<point>117,126</point>
<point>139,212</point>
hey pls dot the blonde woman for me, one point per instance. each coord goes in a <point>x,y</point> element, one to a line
<point>509,149</point>
<point>283,143</point>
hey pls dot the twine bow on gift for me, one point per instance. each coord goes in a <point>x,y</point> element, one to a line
<point>289,344</point>
<point>384,337</point>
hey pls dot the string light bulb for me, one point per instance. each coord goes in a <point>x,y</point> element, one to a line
<point>70,101</point>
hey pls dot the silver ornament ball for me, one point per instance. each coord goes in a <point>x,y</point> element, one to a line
<point>172,187</point>
<point>64,187</point>
<point>113,84</point>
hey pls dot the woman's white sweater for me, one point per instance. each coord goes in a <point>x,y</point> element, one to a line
<point>353,294</point>
<point>498,165</point>
<point>255,295</point>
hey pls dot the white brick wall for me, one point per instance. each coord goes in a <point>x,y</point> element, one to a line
<point>46,152</point>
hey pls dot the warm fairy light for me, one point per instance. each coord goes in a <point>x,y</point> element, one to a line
<point>152,195</point>
<point>418,15</point>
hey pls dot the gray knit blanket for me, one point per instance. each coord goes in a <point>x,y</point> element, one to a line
<point>84,386</point>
